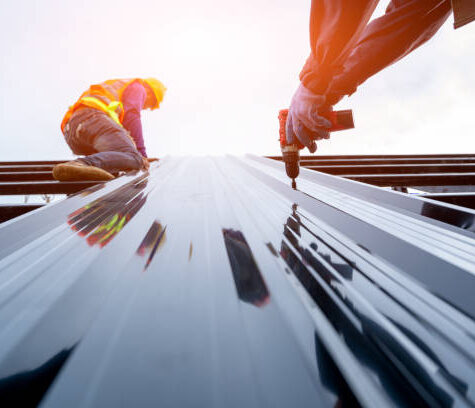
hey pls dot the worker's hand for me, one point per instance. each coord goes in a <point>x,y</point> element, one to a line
<point>304,123</point>
<point>145,164</point>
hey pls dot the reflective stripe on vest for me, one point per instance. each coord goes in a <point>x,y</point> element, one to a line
<point>98,104</point>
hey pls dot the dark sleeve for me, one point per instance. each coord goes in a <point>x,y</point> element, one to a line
<point>406,25</point>
<point>133,100</point>
<point>335,26</point>
<point>346,50</point>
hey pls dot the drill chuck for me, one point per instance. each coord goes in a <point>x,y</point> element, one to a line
<point>292,169</point>
<point>291,158</point>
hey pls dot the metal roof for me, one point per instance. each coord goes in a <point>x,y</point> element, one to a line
<point>209,282</point>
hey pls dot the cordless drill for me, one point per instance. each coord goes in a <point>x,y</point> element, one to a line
<point>340,120</point>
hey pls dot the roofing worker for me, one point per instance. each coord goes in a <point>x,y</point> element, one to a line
<point>346,51</point>
<point>105,125</point>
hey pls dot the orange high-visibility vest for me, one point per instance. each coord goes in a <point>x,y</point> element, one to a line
<point>107,97</point>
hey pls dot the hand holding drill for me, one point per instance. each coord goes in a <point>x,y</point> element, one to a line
<point>308,119</point>
<point>305,122</point>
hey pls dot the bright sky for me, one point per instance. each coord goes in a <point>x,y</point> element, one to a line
<point>229,66</point>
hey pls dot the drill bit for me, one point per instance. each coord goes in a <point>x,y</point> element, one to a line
<point>294,184</point>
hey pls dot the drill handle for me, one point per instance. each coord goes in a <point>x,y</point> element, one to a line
<point>340,120</point>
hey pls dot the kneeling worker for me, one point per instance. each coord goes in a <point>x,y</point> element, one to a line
<point>105,126</point>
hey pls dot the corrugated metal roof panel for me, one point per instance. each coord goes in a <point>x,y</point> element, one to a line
<point>210,282</point>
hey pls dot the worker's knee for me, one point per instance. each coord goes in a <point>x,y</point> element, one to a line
<point>119,142</point>
<point>116,140</point>
<point>137,159</point>
<point>127,146</point>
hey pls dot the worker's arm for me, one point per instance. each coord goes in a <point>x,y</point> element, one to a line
<point>335,26</point>
<point>133,100</point>
<point>406,25</point>
<point>343,56</point>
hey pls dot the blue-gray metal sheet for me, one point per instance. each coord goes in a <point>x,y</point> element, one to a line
<point>210,282</point>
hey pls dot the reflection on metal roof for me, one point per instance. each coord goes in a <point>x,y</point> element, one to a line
<point>209,282</point>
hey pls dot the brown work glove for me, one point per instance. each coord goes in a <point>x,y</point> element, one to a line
<point>145,164</point>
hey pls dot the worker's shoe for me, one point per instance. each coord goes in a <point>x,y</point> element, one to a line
<point>78,171</point>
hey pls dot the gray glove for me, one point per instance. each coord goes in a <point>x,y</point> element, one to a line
<point>304,123</point>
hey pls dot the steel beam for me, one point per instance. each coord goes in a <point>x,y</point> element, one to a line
<point>31,163</point>
<point>307,160</point>
<point>387,156</point>
<point>25,168</point>
<point>394,168</point>
<point>25,176</point>
<point>9,211</point>
<point>408,180</point>
<point>461,199</point>
<point>372,162</point>
<point>44,187</point>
